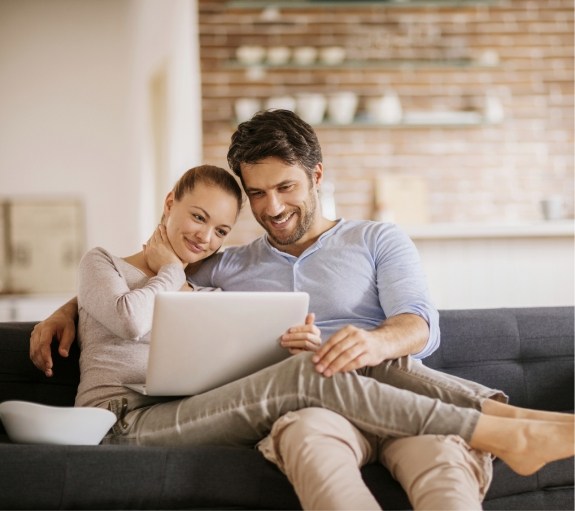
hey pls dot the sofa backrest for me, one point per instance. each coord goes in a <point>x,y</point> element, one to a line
<point>19,378</point>
<point>526,352</point>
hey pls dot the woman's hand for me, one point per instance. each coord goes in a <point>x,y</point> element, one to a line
<point>158,250</point>
<point>306,337</point>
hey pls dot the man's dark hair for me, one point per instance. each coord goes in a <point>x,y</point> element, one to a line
<point>275,133</point>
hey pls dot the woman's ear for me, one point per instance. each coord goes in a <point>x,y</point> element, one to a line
<point>168,203</point>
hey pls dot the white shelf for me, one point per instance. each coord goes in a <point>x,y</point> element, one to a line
<point>366,64</point>
<point>365,123</point>
<point>314,4</point>
<point>556,229</point>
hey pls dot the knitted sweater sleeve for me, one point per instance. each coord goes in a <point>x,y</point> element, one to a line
<point>125,308</point>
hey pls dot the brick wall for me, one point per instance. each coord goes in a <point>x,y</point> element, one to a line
<point>436,58</point>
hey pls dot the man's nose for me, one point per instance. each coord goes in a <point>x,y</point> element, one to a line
<point>274,206</point>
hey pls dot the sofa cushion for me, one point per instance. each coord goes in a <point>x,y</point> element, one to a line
<point>114,477</point>
<point>125,476</point>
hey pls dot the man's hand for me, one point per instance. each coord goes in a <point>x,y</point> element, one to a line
<point>352,348</point>
<point>348,349</point>
<point>300,338</point>
<point>61,324</point>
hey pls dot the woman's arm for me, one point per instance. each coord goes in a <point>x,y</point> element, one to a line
<point>124,308</point>
<point>106,296</point>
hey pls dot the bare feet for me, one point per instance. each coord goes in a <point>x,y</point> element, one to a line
<point>540,443</point>
<point>525,445</point>
<point>492,407</point>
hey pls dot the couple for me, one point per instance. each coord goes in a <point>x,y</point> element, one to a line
<point>351,394</point>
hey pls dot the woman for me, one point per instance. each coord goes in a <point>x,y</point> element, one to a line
<point>115,315</point>
<point>115,302</point>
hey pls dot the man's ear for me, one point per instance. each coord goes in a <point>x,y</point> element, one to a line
<point>318,174</point>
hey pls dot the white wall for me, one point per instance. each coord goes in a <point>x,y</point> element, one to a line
<point>166,49</point>
<point>485,266</point>
<point>75,106</point>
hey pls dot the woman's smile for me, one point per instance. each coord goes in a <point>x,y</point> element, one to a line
<point>194,246</point>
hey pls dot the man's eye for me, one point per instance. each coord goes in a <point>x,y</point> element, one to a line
<point>256,194</point>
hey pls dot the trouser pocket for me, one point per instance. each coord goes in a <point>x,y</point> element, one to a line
<point>119,407</point>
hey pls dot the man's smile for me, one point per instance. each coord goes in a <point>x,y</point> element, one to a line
<point>282,221</point>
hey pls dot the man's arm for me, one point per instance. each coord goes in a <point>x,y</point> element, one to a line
<point>352,347</point>
<point>60,324</point>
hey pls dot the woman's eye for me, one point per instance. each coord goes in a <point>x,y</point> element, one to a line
<point>199,218</point>
<point>222,233</point>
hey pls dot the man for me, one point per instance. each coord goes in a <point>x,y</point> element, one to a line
<point>370,299</point>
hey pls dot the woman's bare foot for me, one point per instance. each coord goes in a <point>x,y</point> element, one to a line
<point>540,443</point>
<point>525,445</point>
<point>498,409</point>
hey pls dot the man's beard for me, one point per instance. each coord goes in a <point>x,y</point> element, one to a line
<point>304,223</point>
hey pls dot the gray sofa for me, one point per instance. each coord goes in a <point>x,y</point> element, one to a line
<point>526,352</point>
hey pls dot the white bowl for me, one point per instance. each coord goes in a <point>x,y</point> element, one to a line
<point>311,107</point>
<point>33,423</point>
<point>278,55</point>
<point>341,107</point>
<point>250,55</point>
<point>332,55</point>
<point>304,55</point>
<point>245,108</point>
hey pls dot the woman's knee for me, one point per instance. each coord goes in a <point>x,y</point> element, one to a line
<point>309,422</point>
<point>314,421</point>
<point>294,435</point>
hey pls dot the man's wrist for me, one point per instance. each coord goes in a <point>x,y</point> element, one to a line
<point>70,309</point>
<point>404,334</point>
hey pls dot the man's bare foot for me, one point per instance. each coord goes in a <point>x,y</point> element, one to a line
<point>495,408</point>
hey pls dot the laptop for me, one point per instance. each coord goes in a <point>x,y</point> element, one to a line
<point>203,340</point>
